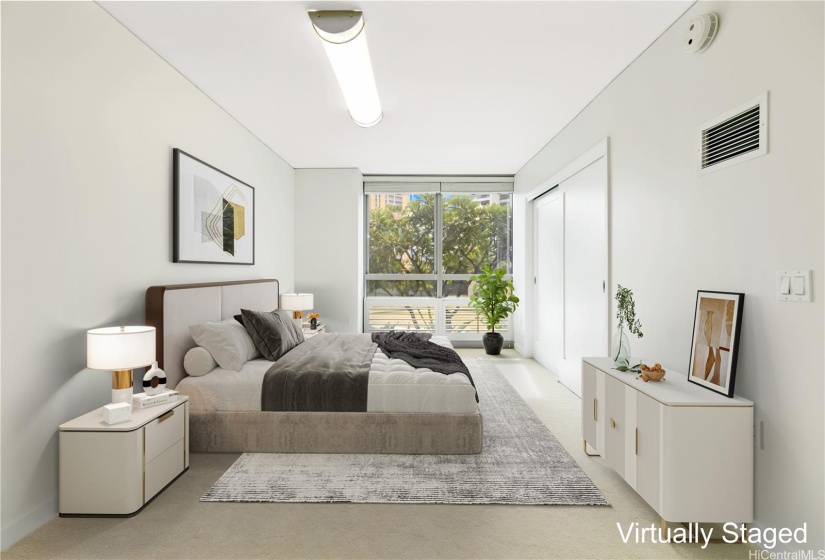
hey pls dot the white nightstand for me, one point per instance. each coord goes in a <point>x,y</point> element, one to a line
<point>115,470</point>
<point>309,333</point>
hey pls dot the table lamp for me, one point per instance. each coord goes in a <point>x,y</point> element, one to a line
<point>297,303</point>
<point>120,349</point>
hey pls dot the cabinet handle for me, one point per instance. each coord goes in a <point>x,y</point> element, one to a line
<point>637,441</point>
<point>166,416</point>
<point>594,411</point>
<point>612,423</point>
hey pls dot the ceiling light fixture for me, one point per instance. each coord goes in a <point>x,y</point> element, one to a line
<point>345,41</point>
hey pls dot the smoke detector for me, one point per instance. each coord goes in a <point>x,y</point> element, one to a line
<point>700,33</point>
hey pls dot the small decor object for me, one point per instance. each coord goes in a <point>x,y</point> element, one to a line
<point>626,314</point>
<point>120,349</point>
<point>117,412</point>
<point>494,300</point>
<point>715,345</point>
<point>655,373</point>
<point>313,320</point>
<point>214,214</point>
<point>154,381</point>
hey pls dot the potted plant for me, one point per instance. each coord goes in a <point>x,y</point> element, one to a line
<point>626,314</point>
<point>494,300</point>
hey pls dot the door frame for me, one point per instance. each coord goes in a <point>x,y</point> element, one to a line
<point>600,150</point>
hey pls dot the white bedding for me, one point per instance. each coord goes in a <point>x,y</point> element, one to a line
<point>394,386</point>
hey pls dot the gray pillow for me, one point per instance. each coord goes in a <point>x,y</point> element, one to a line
<point>227,341</point>
<point>274,333</point>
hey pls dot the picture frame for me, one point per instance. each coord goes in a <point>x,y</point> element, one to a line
<point>213,214</point>
<point>714,346</point>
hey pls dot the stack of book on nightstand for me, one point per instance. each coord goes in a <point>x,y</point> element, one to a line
<point>142,400</point>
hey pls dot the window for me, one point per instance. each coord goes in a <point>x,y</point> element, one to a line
<point>421,250</point>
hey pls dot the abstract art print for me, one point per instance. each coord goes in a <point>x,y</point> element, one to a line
<point>715,346</point>
<point>214,214</point>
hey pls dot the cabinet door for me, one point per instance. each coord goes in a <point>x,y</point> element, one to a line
<point>648,449</point>
<point>614,444</point>
<point>589,404</point>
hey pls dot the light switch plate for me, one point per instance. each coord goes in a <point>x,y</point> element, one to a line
<point>793,276</point>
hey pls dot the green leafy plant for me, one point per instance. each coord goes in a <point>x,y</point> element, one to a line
<point>493,296</point>
<point>626,311</point>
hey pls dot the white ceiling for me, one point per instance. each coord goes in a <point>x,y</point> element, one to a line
<point>466,87</point>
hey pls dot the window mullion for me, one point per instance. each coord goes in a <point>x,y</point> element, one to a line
<point>438,237</point>
<point>366,208</point>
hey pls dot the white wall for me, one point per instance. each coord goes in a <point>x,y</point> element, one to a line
<point>329,244</point>
<point>90,117</point>
<point>673,232</point>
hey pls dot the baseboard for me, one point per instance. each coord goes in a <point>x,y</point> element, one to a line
<point>522,350</point>
<point>476,343</point>
<point>29,523</point>
<point>466,343</point>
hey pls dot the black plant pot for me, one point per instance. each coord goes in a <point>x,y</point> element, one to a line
<point>493,342</point>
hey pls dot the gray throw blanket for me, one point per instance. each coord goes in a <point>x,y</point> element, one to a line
<point>417,350</point>
<point>327,373</point>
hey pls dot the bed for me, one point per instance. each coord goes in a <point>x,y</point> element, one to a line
<point>408,410</point>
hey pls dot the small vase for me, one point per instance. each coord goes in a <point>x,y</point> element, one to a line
<point>154,381</point>
<point>621,349</point>
<point>313,323</point>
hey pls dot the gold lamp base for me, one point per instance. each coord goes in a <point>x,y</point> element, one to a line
<point>122,386</point>
<point>297,315</point>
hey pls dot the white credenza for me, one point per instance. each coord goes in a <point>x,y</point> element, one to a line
<point>115,470</point>
<point>686,450</point>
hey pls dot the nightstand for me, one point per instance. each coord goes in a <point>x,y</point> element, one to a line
<point>115,470</point>
<point>309,333</point>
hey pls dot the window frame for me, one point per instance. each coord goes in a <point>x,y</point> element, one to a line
<point>439,302</point>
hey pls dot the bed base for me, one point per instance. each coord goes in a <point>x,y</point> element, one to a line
<point>335,432</point>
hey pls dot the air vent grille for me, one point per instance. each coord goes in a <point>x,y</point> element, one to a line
<point>733,138</point>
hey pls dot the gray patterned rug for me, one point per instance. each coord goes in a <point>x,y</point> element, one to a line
<point>521,463</point>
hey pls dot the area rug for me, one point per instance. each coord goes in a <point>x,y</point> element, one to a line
<point>521,463</point>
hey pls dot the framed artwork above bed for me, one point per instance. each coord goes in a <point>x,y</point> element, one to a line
<point>213,214</point>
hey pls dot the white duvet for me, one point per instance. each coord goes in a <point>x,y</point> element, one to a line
<point>394,386</point>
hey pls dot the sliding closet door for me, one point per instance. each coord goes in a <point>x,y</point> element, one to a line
<point>585,270</point>
<point>570,265</point>
<point>549,275</point>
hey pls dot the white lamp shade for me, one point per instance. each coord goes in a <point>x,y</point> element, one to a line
<point>297,302</point>
<point>115,348</point>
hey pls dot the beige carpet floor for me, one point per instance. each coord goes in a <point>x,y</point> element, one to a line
<point>177,525</point>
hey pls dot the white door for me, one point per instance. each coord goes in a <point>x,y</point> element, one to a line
<point>571,273</point>
<point>549,275</point>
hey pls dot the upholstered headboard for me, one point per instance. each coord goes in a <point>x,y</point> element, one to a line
<point>171,309</point>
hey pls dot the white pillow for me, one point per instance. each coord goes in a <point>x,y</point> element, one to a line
<point>227,341</point>
<point>198,361</point>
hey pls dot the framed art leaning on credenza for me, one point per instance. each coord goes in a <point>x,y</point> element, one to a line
<point>715,347</point>
<point>213,214</point>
